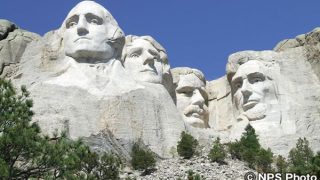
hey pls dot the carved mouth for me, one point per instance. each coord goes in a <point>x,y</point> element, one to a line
<point>197,113</point>
<point>148,70</point>
<point>250,104</point>
<point>81,38</point>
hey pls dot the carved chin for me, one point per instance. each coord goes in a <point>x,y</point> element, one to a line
<point>195,122</point>
<point>150,78</point>
<point>89,56</point>
<point>256,113</point>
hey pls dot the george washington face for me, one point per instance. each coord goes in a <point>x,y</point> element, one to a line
<point>86,33</point>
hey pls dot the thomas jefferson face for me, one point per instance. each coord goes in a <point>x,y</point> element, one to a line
<point>4,28</point>
<point>191,100</point>
<point>253,90</point>
<point>86,34</point>
<point>143,61</point>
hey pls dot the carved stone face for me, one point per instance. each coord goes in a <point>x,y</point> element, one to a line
<point>143,61</point>
<point>86,33</point>
<point>253,91</point>
<point>4,28</point>
<point>191,100</point>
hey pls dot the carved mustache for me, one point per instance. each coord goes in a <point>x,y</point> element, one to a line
<point>188,111</point>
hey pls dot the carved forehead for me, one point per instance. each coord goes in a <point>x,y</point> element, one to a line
<point>265,59</point>
<point>141,43</point>
<point>85,7</point>
<point>131,39</point>
<point>5,23</point>
<point>190,80</point>
<point>250,67</point>
<point>177,72</point>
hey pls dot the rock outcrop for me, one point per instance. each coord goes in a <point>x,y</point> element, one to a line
<point>87,80</point>
<point>178,168</point>
<point>86,92</point>
<point>281,100</point>
<point>13,42</point>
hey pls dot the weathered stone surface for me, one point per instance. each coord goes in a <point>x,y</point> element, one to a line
<point>13,42</point>
<point>84,90</point>
<point>291,99</point>
<point>310,42</point>
<point>85,79</point>
<point>220,104</point>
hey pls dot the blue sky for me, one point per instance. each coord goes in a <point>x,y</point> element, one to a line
<point>199,34</point>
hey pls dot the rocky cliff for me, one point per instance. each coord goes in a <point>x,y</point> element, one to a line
<point>112,90</point>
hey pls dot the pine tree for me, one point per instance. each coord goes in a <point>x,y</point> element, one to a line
<point>108,167</point>
<point>187,145</point>
<point>264,160</point>
<point>20,142</point>
<point>281,164</point>
<point>316,164</point>
<point>250,146</point>
<point>217,153</point>
<point>249,149</point>
<point>142,159</point>
<point>300,157</point>
<point>235,149</point>
<point>192,176</point>
<point>25,154</point>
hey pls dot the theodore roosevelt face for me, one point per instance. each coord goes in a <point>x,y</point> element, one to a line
<point>191,100</point>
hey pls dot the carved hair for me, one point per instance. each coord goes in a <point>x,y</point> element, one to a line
<point>117,39</point>
<point>163,54</point>
<point>267,58</point>
<point>176,72</point>
<point>9,27</point>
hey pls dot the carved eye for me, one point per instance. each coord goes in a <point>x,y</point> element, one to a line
<point>238,85</point>
<point>72,24</point>
<point>186,93</point>
<point>134,55</point>
<point>72,21</point>
<point>94,21</point>
<point>257,79</point>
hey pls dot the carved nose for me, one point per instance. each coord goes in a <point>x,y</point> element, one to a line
<point>149,59</point>
<point>197,98</point>
<point>82,28</point>
<point>246,89</point>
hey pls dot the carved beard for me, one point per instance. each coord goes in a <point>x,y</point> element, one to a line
<point>257,112</point>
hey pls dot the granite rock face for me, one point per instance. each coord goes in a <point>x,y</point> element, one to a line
<point>13,42</point>
<point>78,83</point>
<point>277,92</point>
<point>90,80</point>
